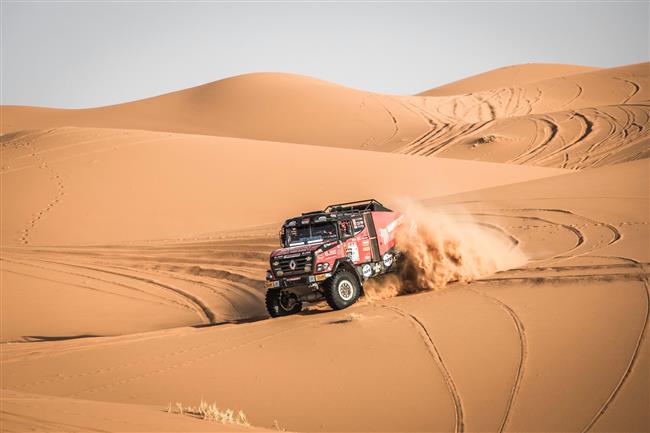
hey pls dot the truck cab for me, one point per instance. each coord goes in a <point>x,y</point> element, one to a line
<point>329,254</point>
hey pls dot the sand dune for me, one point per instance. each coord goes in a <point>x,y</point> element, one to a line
<point>584,288</point>
<point>579,121</point>
<point>575,139</point>
<point>265,106</point>
<point>508,76</point>
<point>123,185</point>
<point>611,104</point>
<point>129,186</point>
<point>135,239</point>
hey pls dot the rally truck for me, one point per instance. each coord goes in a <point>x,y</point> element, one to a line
<point>330,254</point>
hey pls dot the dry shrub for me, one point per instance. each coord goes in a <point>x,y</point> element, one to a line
<point>211,412</point>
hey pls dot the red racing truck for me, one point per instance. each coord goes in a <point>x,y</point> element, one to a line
<point>329,254</point>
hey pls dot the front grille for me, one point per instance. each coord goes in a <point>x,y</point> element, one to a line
<point>285,265</point>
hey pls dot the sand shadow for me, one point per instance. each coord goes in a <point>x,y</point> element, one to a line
<point>42,338</point>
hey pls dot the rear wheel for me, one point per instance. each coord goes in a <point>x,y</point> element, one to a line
<point>342,290</point>
<point>282,303</point>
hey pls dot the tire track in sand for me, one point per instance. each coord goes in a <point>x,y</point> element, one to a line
<point>635,353</point>
<point>201,308</point>
<point>523,353</point>
<point>435,354</point>
<point>635,89</point>
<point>191,361</point>
<point>161,299</point>
<point>392,118</point>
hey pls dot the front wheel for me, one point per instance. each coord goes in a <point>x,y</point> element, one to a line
<point>281,303</point>
<point>342,290</point>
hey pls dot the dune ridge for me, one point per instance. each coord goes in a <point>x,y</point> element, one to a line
<point>507,76</point>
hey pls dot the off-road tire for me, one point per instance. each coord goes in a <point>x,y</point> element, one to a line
<point>276,308</point>
<point>337,290</point>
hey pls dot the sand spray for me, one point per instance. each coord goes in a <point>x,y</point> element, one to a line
<point>442,247</point>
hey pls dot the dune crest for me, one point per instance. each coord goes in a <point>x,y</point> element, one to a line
<point>507,76</point>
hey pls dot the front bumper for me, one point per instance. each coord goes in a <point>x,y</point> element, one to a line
<point>302,280</point>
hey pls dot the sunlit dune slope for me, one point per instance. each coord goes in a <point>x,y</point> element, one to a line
<point>579,120</point>
<point>624,85</point>
<point>560,344</point>
<point>121,185</point>
<point>508,76</point>
<point>575,139</point>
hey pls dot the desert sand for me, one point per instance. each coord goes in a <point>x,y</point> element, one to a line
<point>135,239</point>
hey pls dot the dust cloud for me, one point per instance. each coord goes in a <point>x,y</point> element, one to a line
<point>442,247</point>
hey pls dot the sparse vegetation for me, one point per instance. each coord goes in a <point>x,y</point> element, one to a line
<point>211,412</point>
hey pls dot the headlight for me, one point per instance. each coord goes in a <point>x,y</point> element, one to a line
<point>322,267</point>
<point>269,276</point>
<point>307,268</point>
<point>279,273</point>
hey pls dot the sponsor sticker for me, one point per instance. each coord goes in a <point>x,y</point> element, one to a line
<point>388,260</point>
<point>366,270</point>
<point>385,232</point>
<point>352,251</point>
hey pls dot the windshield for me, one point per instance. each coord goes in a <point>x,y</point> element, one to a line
<point>310,234</point>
